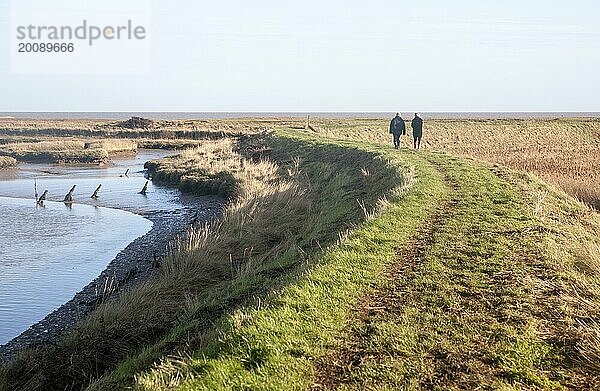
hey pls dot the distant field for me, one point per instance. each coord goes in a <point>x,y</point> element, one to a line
<point>563,152</point>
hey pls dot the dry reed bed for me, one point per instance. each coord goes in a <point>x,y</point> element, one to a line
<point>162,129</point>
<point>45,146</point>
<point>113,146</point>
<point>67,150</point>
<point>571,245</point>
<point>563,152</point>
<point>7,162</point>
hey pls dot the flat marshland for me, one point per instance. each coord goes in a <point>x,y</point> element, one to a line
<point>63,150</point>
<point>563,152</point>
<point>340,263</point>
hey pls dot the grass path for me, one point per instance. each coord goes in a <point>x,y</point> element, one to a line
<point>340,366</point>
<point>462,306</point>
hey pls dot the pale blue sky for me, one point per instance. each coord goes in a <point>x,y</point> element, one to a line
<point>333,55</point>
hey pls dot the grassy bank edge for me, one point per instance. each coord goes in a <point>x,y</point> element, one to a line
<point>253,343</point>
<point>275,344</point>
<point>272,344</point>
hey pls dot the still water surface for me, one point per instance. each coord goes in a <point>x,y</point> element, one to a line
<point>47,254</point>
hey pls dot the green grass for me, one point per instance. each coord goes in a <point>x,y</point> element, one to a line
<point>475,306</point>
<point>273,345</point>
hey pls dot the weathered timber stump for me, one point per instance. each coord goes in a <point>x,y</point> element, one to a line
<point>95,195</point>
<point>42,198</point>
<point>144,189</point>
<point>69,197</point>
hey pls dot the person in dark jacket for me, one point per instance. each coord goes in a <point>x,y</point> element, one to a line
<point>397,129</point>
<point>417,128</point>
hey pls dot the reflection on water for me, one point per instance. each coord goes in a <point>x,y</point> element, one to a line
<point>118,190</point>
<point>47,254</point>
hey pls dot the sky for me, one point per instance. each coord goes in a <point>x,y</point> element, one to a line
<point>333,55</point>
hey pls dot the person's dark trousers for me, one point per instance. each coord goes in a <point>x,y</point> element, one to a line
<point>417,142</point>
<point>396,140</point>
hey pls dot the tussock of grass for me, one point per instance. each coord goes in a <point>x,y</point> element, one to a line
<point>113,146</point>
<point>210,168</point>
<point>216,168</point>
<point>7,162</point>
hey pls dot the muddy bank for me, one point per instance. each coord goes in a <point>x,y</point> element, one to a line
<point>138,262</point>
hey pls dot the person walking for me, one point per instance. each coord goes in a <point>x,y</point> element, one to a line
<point>397,129</point>
<point>417,128</point>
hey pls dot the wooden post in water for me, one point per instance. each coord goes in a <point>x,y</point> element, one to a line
<point>69,197</point>
<point>126,172</point>
<point>42,198</point>
<point>143,191</point>
<point>95,195</point>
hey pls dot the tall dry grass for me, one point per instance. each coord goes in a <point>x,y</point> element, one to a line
<point>7,162</point>
<point>564,152</point>
<point>214,167</point>
<point>45,146</point>
<point>113,146</point>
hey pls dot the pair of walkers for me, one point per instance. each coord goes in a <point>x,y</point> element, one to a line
<point>398,129</point>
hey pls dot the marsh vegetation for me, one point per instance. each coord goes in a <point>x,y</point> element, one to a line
<point>7,162</point>
<point>341,263</point>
